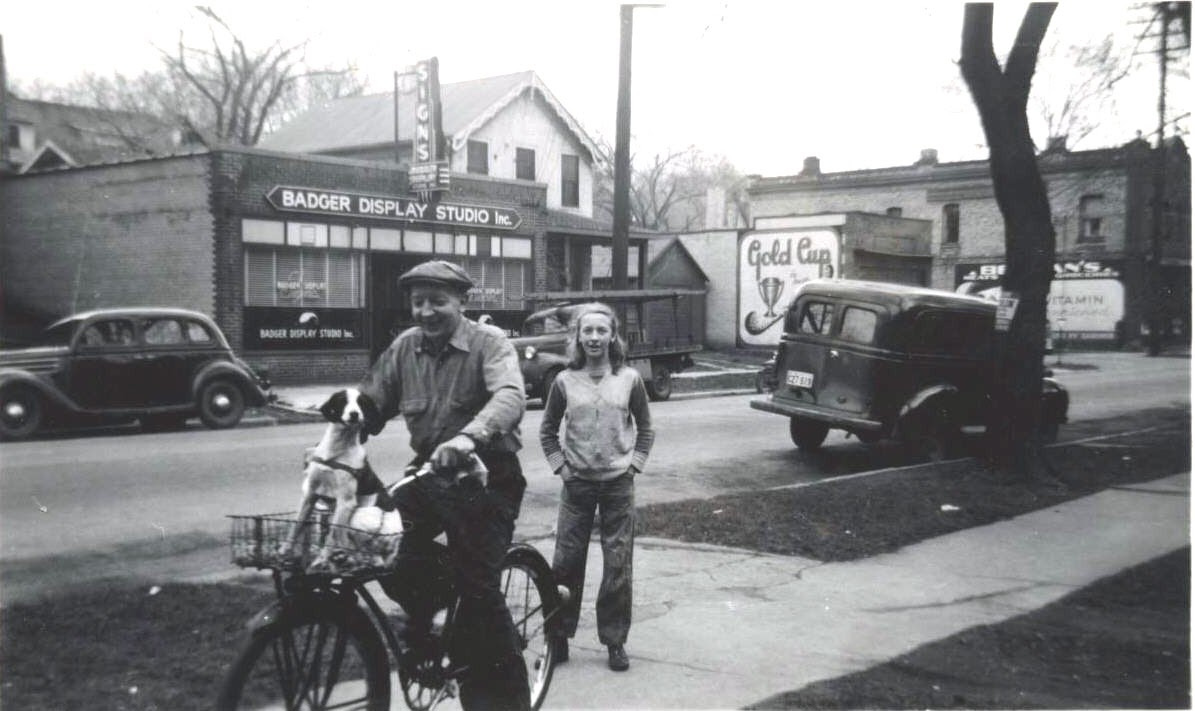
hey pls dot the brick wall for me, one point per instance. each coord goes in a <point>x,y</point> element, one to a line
<point>130,234</point>
<point>326,367</point>
<point>922,193</point>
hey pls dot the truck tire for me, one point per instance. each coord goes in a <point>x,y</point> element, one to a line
<point>660,386</point>
<point>931,436</point>
<point>807,434</point>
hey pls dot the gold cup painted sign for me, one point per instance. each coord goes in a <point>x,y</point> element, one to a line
<point>771,267</point>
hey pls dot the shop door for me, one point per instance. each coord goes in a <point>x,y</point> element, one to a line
<point>391,310</point>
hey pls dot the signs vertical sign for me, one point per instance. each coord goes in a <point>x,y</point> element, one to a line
<point>427,175</point>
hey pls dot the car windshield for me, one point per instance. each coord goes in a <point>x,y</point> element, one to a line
<point>59,334</point>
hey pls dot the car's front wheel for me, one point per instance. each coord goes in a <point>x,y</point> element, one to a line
<point>807,434</point>
<point>21,412</point>
<point>221,404</point>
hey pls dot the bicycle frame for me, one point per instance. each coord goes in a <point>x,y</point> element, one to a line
<point>426,678</point>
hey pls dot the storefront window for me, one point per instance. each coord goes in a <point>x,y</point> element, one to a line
<point>500,283</point>
<point>303,277</point>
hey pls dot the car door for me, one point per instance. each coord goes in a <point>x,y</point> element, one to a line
<point>106,364</point>
<point>852,360</point>
<point>807,335</point>
<point>165,359</point>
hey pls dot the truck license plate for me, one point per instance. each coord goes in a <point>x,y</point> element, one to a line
<point>799,379</point>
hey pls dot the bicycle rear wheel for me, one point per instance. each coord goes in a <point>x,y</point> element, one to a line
<point>531,597</point>
<point>311,660</point>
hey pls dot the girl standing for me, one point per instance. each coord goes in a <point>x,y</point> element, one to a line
<point>607,436</point>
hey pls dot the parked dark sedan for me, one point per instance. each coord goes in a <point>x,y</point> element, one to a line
<point>157,365</point>
<point>888,360</point>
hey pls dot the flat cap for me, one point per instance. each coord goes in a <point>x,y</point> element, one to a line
<point>439,272</point>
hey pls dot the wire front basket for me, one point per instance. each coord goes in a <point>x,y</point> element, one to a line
<point>283,542</point>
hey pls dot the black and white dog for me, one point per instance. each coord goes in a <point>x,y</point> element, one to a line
<point>337,469</point>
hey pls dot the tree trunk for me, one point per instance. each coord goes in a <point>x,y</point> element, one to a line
<point>1001,97</point>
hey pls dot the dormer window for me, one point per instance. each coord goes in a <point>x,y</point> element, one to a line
<point>479,158</point>
<point>570,181</point>
<point>525,164</point>
<point>19,137</point>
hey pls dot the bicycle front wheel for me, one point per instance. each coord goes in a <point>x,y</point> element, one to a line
<point>531,597</point>
<point>311,660</point>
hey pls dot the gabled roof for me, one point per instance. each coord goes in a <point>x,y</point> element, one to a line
<point>48,156</point>
<point>86,134</point>
<point>363,121</point>
<point>659,249</point>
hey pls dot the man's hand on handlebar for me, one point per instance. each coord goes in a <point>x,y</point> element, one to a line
<point>454,454</point>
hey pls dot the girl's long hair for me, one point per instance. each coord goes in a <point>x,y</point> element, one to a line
<point>576,352</point>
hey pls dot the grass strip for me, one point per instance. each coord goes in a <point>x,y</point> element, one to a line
<point>865,516</point>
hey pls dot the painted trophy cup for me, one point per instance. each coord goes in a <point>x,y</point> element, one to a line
<point>770,289</point>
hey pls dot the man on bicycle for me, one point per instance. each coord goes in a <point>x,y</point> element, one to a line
<point>458,386</point>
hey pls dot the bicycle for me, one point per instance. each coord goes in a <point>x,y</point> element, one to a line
<point>326,642</point>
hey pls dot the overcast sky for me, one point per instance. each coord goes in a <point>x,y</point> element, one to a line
<point>859,84</point>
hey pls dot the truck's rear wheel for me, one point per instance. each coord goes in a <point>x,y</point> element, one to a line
<point>660,387</point>
<point>807,434</point>
<point>931,436</point>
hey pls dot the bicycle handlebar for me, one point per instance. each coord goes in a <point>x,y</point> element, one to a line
<point>475,469</point>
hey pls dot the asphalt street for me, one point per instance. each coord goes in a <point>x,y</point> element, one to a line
<point>99,503</point>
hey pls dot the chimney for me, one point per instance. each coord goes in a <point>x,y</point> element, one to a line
<point>929,156</point>
<point>813,167</point>
<point>715,207</point>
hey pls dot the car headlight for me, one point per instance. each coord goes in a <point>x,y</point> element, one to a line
<point>529,352</point>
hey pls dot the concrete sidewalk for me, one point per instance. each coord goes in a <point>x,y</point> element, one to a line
<point>722,628</point>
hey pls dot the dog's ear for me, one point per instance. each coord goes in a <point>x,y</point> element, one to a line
<point>372,416</point>
<point>333,407</point>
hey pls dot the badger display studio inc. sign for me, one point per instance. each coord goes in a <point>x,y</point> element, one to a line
<point>270,328</point>
<point>390,207</point>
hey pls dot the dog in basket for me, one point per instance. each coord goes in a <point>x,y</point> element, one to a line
<point>364,518</point>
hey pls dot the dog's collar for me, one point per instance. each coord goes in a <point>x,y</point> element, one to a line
<point>364,471</point>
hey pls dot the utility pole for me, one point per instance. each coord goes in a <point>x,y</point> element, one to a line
<point>622,151</point>
<point>1165,12</point>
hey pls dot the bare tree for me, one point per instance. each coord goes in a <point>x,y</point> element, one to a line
<point>669,193</point>
<point>224,91</point>
<point>1076,97</point>
<point>1001,96</point>
<point>229,92</point>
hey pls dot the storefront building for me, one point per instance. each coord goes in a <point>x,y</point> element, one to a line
<point>1102,203</point>
<point>296,253</point>
<point>296,257</point>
